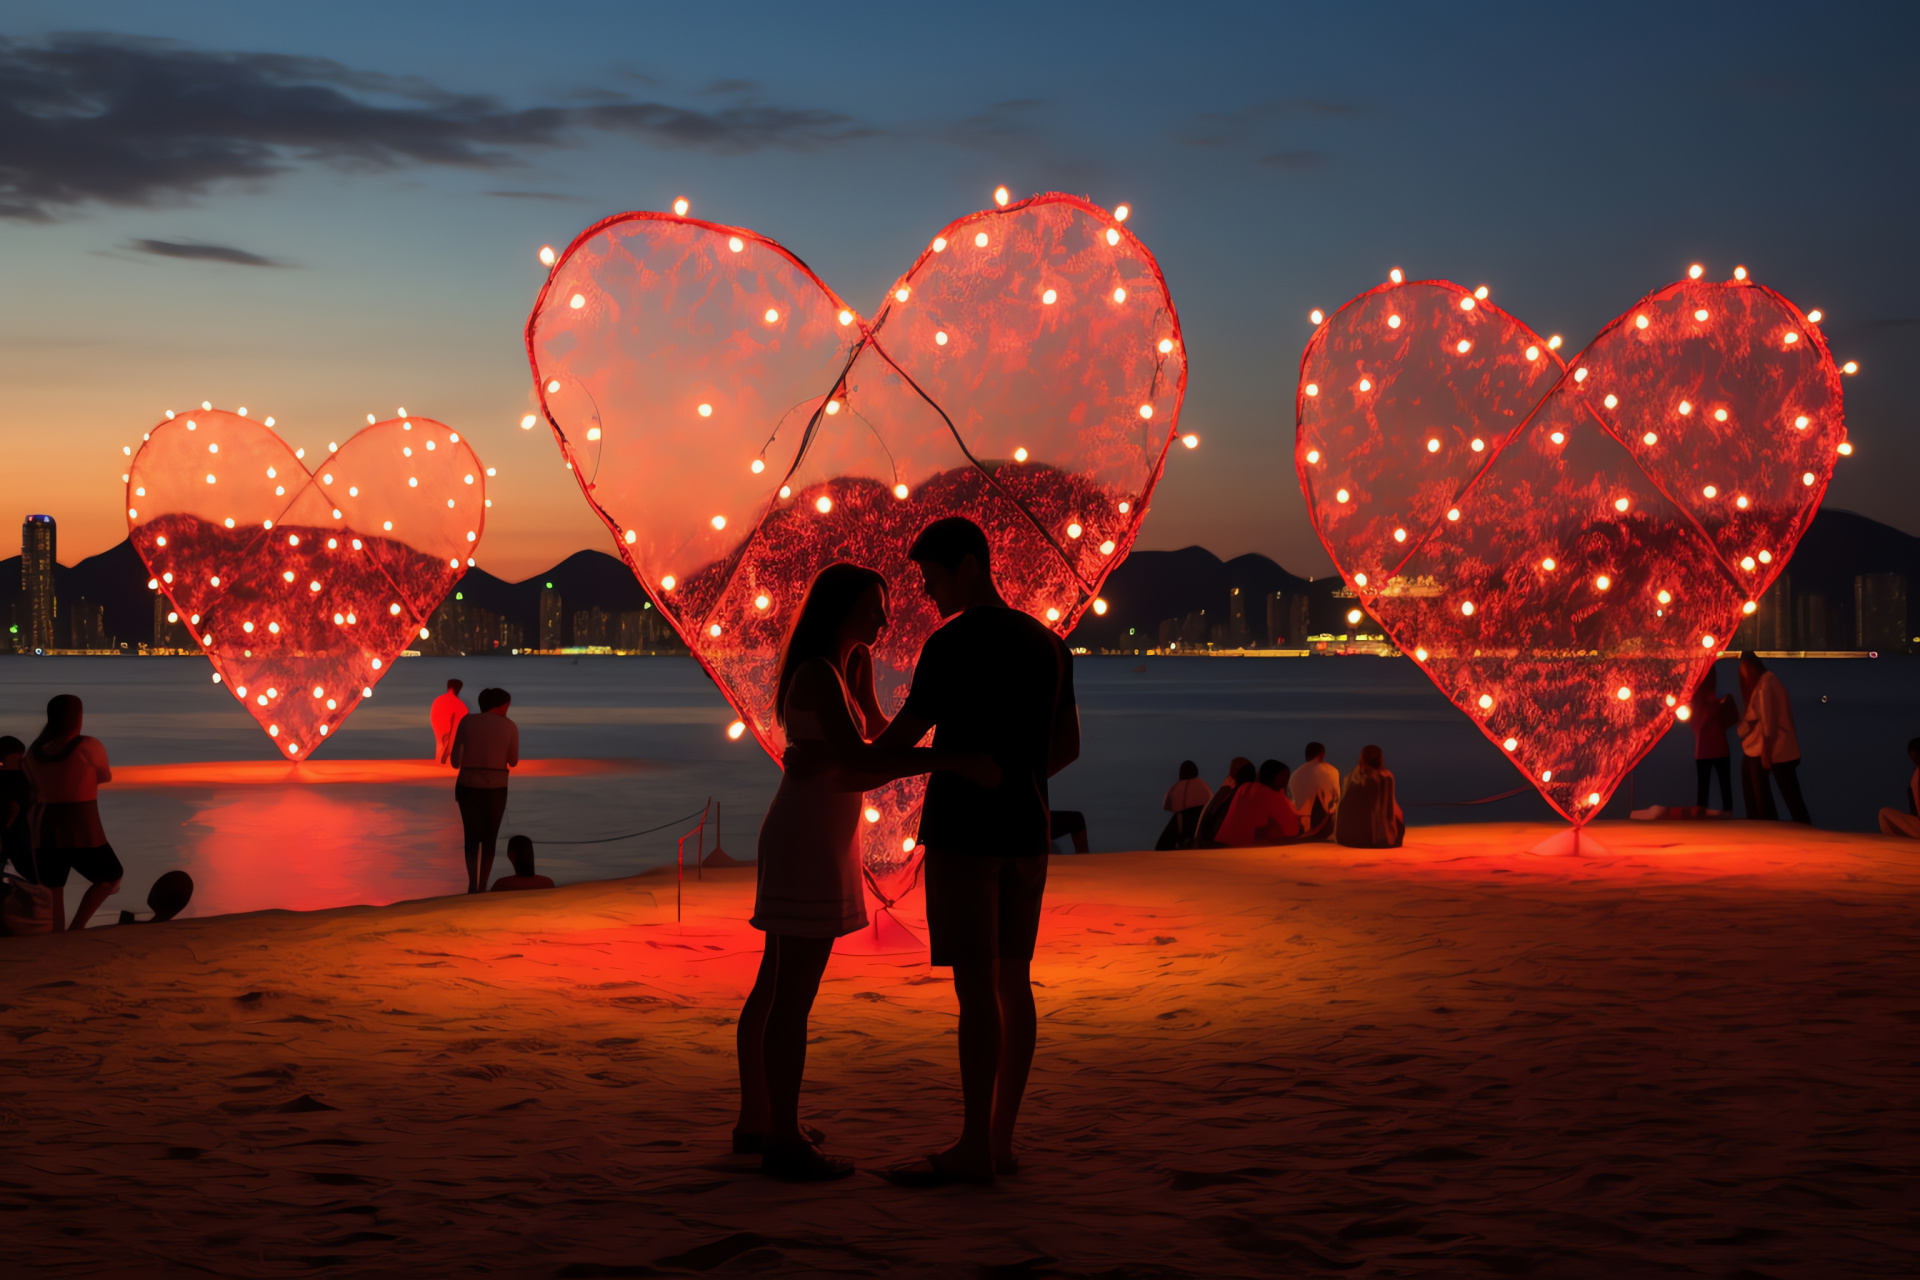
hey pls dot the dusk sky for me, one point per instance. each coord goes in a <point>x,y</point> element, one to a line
<point>330,210</point>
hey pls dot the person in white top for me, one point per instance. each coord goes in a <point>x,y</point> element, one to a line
<point>485,747</point>
<point>1772,751</point>
<point>448,710</point>
<point>1186,800</point>
<point>1892,821</point>
<point>1315,782</point>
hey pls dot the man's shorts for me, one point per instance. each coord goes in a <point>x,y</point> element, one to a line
<point>99,866</point>
<point>983,907</point>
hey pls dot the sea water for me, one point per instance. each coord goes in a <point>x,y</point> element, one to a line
<point>253,846</point>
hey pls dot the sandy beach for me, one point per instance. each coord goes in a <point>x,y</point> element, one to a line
<point>1694,1055</point>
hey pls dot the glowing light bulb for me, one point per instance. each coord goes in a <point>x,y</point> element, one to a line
<point>1120,212</point>
<point>1533,353</point>
<point>1749,607</point>
<point>735,729</point>
<point>1747,563</point>
<point>1453,513</point>
<point>1707,642</point>
<point>736,244</point>
<point>1766,557</point>
<point>773,315</point>
<point>1049,297</point>
<point>1711,491</point>
<point>1146,411</point>
<point>1741,502</point>
<point>1649,439</point>
<point>1020,455</point>
<point>1695,271</point>
<point>762,601</point>
<point>1486,701</point>
<point>900,492</point>
<point>1313,388</point>
<point>577,301</point>
<point>1603,582</point>
<point>1125,507</point>
<point>1466,608</point>
<point>940,338</point>
<point>1399,535</point>
<point>1466,304</point>
<point>846,317</point>
<point>1850,366</point>
<point>786,491</point>
<point>1420,655</point>
<point>680,206</point>
<point>667,583</point>
<point>1807,479</point>
<point>1478,445</point>
<point>823,504</point>
<point>1553,343</point>
<point>1341,495</point>
<point>1791,338</point>
<point>1366,384</point>
<point>1621,504</point>
<point>980,240</point>
<point>1686,407</point>
<point>1579,375</point>
<point>1549,564</point>
<point>1313,457</point>
<point>1190,440</point>
<point>706,411</point>
<point>1463,346</point>
<point>714,630</point>
<point>1053,615</point>
<point>1845,449</point>
<point>1317,316</point>
<point>1546,775</point>
<point>719,522</point>
<point>1074,531</point>
<point>1360,578</point>
<point>833,407</point>
<point>1719,415</point>
<point>756,466</point>
<point>547,256</point>
<point>1393,322</point>
<point>1000,197</point>
<point>902,293</point>
<point>1683,713</point>
<point>1396,276</point>
<point>1107,547</point>
<point>526,423</point>
<point>1166,346</point>
<point>1353,616</point>
<point>1612,401</point>
<point>939,244</point>
<point>1119,295</point>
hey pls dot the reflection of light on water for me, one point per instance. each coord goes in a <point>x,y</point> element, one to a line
<point>304,848</point>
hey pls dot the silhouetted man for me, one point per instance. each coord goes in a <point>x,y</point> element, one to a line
<point>992,679</point>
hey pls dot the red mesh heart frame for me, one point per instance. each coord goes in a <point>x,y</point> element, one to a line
<point>303,587</point>
<point>1003,380</point>
<point>1567,582</point>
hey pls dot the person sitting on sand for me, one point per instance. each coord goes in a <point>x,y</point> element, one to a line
<point>1315,789</point>
<point>485,747</point>
<point>1261,812</point>
<point>520,854</point>
<point>66,768</point>
<point>1892,821</point>
<point>1186,801</point>
<point>168,898</point>
<point>1239,773</point>
<point>448,710</point>
<point>16,798</point>
<point>1068,824</point>
<point>1369,817</point>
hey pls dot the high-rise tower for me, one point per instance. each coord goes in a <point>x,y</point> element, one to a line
<point>37,535</point>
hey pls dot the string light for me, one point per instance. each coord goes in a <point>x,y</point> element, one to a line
<point>1000,196</point>
<point>680,206</point>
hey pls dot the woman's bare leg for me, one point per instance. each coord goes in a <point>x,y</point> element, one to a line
<point>90,902</point>
<point>749,1040</point>
<point>796,981</point>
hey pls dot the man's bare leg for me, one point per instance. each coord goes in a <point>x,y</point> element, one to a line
<point>1019,1029</point>
<point>90,902</point>
<point>976,986</point>
<point>59,892</point>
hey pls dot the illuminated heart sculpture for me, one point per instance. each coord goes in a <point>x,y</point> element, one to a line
<point>739,427</point>
<point>302,587</point>
<point>1564,548</point>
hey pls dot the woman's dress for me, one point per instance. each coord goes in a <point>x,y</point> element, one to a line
<point>810,880</point>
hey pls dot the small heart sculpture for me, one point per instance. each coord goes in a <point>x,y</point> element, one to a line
<point>1564,548</point>
<point>739,427</point>
<point>303,587</point>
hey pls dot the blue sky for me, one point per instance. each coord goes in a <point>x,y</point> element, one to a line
<point>1277,158</point>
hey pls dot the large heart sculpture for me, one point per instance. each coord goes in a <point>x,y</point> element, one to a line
<point>1565,547</point>
<point>303,587</point>
<point>739,427</point>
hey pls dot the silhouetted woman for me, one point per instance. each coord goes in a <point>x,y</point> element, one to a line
<point>1240,772</point>
<point>1770,746</point>
<point>66,769</point>
<point>1186,801</point>
<point>1711,716</point>
<point>1369,816</point>
<point>809,869</point>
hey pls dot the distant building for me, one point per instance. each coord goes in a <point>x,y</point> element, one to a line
<point>37,539</point>
<point>169,628</point>
<point>87,626</point>
<point>1287,620</point>
<point>1238,635</point>
<point>590,628</point>
<point>460,626</point>
<point>1810,622</point>
<point>1771,625</point>
<point>1880,612</point>
<point>552,620</point>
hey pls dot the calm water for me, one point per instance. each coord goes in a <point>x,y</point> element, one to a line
<point>255,846</point>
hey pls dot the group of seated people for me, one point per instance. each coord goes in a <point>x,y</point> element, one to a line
<point>1275,805</point>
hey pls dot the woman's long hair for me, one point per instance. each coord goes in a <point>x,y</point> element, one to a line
<point>63,721</point>
<point>1371,762</point>
<point>835,591</point>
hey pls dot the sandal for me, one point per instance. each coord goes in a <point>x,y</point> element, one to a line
<point>751,1144</point>
<point>802,1162</point>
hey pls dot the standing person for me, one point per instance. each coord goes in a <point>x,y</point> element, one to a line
<point>1892,821</point>
<point>991,679</point>
<point>485,746</point>
<point>810,877</point>
<point>1186,800</point>
<point>1711,716</point>
<point>66,768</point>
<point>1315,788</point>
<point>1772,751</point>
<point>16,800</point>
<point>1369,816</point>
<point>448,710</point>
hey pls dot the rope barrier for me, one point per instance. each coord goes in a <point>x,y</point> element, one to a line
<point>1462,804</point>
<point>671,822</point>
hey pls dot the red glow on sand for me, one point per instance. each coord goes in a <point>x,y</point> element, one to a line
<point>1603,471</point>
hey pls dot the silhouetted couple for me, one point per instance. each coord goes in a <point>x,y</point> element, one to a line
<point>996,686</point>
<point>50,792</point>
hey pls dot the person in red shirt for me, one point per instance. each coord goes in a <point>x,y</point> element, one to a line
<point>1261,813</point>
<point>448,710</point>
<point>1711,716</point>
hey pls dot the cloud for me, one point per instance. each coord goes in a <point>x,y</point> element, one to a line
<point>197,252</point>
<point>107,119</point>
<point>1254,126</point>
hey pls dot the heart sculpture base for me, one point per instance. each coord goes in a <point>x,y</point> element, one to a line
<point>1565,548</point>
<point>1571,843</point>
